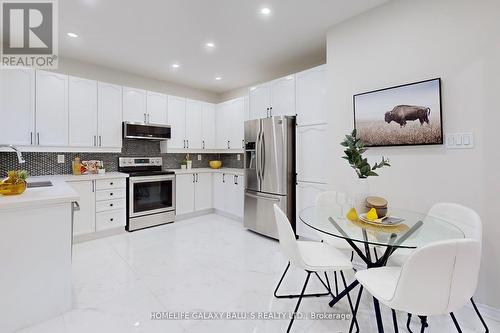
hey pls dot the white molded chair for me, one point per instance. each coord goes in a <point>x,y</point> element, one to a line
<point>436,279</point>
<point>466,219</point>
<point>313,257</point>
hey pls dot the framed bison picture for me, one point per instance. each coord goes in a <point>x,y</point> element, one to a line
<point>409,114</point>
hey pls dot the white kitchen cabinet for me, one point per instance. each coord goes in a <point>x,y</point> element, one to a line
<point>109,98</point>
<point>306,197</point>
<point>156,110</point>
<point>177,119</point>
<point>193,124</point>
<point>230,124</point>
<point>82,105</point>
<point>184,193</point>
<point>17,106</point>
<point>259,101</point>
<point>134,105</point>
<point>208,126</point>
<point>274,98</point>
<point>203,191</point>
<point>51,109</point>
<point>311,153</point>
<point>283,96</point>
<point>311,96</point>
<point>218,189</point>
<point>84,219</point>
<point>228,191</point>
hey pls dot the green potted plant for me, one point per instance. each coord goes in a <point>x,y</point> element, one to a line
<point>354,148</point>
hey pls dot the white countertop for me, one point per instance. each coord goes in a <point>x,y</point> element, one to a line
<point>59,192</point>
<point>234,171</point>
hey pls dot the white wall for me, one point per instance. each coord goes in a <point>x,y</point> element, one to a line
<point>96,72</point>
<point>407,41</point>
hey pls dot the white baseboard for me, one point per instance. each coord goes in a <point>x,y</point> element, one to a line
<point>486,310</point>
<point>100,234</point>
<point>195,214</point>
<point>229,216</point>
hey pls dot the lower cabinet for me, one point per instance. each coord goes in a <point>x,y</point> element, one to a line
<point>102,205</point>
<point>229,191</point>
<point>193,192</point>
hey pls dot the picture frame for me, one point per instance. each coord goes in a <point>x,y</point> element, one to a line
<point>404,115</point>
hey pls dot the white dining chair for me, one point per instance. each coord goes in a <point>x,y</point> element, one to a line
<point>313,257</point>
<point>464,218</point>
<point>437,279</point>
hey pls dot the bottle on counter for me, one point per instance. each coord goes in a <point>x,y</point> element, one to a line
<point>77,166</point>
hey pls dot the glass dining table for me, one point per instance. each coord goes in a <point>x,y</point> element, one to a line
<point>375,243</point>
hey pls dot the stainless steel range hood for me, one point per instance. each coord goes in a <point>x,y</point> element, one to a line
<point>145,131</point>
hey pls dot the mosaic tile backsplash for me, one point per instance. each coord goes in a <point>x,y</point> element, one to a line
<point>39,164</point>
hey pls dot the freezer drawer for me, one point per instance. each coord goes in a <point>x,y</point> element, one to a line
<point>259,212</point>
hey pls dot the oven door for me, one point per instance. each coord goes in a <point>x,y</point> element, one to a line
<point>151,194</point>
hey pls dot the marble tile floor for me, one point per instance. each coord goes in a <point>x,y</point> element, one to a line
<point>208,263</point>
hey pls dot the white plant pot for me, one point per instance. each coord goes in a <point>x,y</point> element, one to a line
<point>360,191</point>
<point>189,164</point>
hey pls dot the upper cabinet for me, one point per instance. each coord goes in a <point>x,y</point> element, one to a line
<point>17,106</point>
<point>275,98</point>
<point>156,110</point>
<point>230,124</point>
<point>208,126</point>
<point>51,109</point>
<point>193,124</point>
<point>134,105</point>
<point>109,121</point>
<point>311,96</point>
<point>177,119</point>
<point>82,112</point>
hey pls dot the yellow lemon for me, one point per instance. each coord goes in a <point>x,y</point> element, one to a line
<point>372,215</point>
<point>352,215</point>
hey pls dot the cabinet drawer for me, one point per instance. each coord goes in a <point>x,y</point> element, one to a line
<point>108,184</point>
<point>109,220</point>
<point>102,206</point>
<point>110,194</point>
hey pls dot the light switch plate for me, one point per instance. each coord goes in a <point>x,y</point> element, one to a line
<point>460,140</point>
<point>239,157</point>
<point>60,159</point>
<point>199,157</point>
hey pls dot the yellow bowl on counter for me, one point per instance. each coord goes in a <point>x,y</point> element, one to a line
<point>215,164</point>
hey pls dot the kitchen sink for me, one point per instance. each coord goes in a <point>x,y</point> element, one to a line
<point>39,184</point>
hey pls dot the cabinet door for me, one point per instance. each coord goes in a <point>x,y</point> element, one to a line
<point>177,119</point>
<point>157,108</point>
<point>84,219</point>
<point>203,191</point>
<point>259,101</point>
<point>234,195</point>
<point>51,109</point>
<point>219,191</point>
<point>311,148</point>
<point>306,197</point>
<point>222,126</point>
<point>109,115</point>
<point>208,126</point>
<point>134,105</point>
<point>184,193</point>
<point>311,96</point>
<point>17,106</point>
<point>235,119</point>
<point>82,96</point>
<point>193,124</point>
<point>239,195</point>
<point>283,96</point>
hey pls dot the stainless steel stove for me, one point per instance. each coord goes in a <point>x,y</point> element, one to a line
<point>150,192</point>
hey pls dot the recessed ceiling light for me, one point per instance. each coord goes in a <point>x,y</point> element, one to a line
<point>265,11</point>
<point>218,78</point>
<point>210,45</point>
<point>176,65</point>
<point>72,34</point>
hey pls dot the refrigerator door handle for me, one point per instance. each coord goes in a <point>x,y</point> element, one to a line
<point>258,158</point>
<point>263,159</point>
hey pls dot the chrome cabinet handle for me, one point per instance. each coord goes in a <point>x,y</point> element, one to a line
<point>228,144</point>
<point>38,137</point>
<point>194,178</point>
<point>100,141</point>
<point>267,112</point>
<point>94,140</point>
<point>223,177</point>
<point>111,219</point>
<point>187,143</point>
<point>93,186</point>
<point>149,117</point>
<point>111,205</point>
<point>31,138</point>
<point>145,118</point>
<point>270,111</point>
<point>234,180</point>
<point>184,143</point>
<point>243,143</point>
<point>203,144</point>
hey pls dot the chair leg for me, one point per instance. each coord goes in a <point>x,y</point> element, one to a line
<point>356,309</point>
<point>408,322</point>
<point>479,315</point>
<point>350,301</point>
<point>336,284</point>
<point>459,330</point>
<point>423,321</point>
<point>298,302</point>
<point>395,321</point>
<point>295,295</point>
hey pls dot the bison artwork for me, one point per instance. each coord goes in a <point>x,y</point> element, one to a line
<point>403,113</point>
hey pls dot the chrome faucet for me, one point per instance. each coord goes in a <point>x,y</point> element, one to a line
<point>18,152</point>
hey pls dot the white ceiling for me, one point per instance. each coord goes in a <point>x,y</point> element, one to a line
<point>146,36</point>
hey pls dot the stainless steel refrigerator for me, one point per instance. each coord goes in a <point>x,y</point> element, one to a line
<point>270,172</point>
